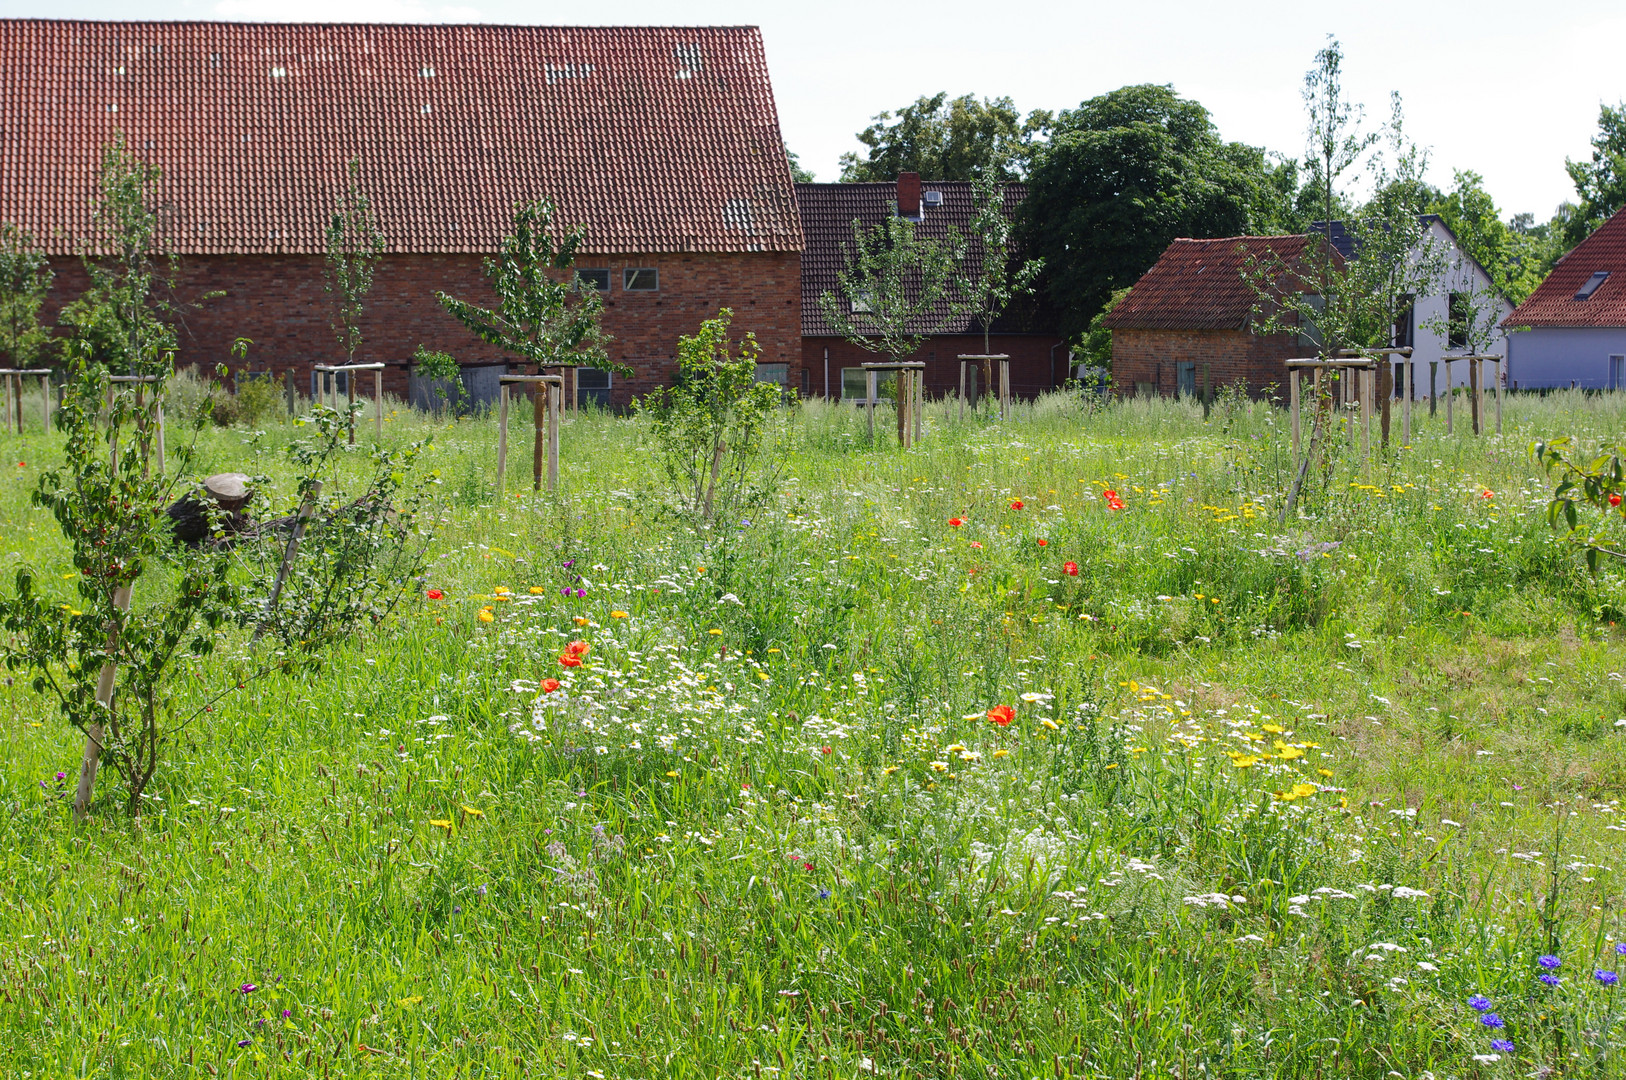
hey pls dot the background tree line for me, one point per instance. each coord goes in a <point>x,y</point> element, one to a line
<point>1113,181</point>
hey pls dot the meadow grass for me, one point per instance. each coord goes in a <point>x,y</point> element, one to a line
<point>1276,801</point>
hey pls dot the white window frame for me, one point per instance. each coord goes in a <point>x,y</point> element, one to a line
<point>627,276</point>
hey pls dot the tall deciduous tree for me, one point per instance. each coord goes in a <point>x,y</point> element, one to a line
<point>944,139</point>
<point>25,277</point>
<point>541,316</point>
<point>355,243</point>
<point>125,318</point>
<point>1517,253</point>
<point>991,277</point>
<point>1122,175</point>
<point>896,287</point>
<point>1601,182</point>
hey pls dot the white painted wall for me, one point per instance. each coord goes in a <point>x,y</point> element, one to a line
<point>1563,356</point>
<point>1462,275</point>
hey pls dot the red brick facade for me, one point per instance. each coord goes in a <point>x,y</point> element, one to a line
<point>278,302</point>
<point>1232,356</point>
<point>1038,361</point>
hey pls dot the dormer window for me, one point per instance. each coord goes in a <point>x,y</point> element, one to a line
<point>1591,285</point>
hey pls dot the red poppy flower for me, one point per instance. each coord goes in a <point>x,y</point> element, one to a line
<point>1016,504</point>
<point>1002,715</point>
<point>550,685</point>
<point>1114,503</point>
<point>1070,569</point>
<point>956,522</point>
<point>1614,500</point>
<point>1487,495</point>
<point>434,594</point>
<point>569,661</point>
<point>577,648</point>
<point>1109,494</point>
<point>1043,542</point>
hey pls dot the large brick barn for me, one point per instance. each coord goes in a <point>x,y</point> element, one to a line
<point>1039,358</point>
<point>664,142</point>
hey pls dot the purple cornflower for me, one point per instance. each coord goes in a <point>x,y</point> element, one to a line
<point>1504,1046</point>
<point>479,890</point>
<point>286,1013</point>
<point>1608,978</point>
<point>1550,980</point>
<point>1620,947</point>
<point>1549,962</point>
<point>61,776</point>
<point>247,988</point>
<point>245,1042</point>
<point>824,894</point>
<point>1479,1003</point>
<point>1492,1021</point>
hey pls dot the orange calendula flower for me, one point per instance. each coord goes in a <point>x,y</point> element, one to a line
<point>582,620</point>
<point>1002,715</point>
<point>618,614</point>
<point>486,615</point>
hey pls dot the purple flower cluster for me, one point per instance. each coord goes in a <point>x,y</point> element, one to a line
<point>1607,978</point>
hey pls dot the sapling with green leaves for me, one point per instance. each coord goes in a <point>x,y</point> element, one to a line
<point>541,316</point>
<point>25,278</point>
<point>126,316</point>
<point>990,277</point>
<point>712,426</point>
<point>355,244</point>
<point>896,287</point>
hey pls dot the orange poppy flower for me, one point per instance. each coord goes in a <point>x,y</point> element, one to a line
<point>956,522</point>
<point>1002,715</point>
<point>1070,569</point>
<point>569,661</point>
<point>550,685</point>
<point>1016,504</point>
<point>1043,542</point>
<point>577,648</point>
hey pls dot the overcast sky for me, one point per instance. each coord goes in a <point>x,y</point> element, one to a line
<point>1507,89</point>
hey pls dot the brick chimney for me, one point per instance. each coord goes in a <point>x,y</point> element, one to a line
<point>909,195</point>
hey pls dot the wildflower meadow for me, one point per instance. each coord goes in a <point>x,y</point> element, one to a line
<point>1041,749</point>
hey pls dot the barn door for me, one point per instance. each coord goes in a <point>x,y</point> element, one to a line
<point>1186,374</point>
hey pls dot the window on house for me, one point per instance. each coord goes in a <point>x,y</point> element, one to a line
<point>1591,286</point>
<point>593,385</point>
<point>1309,333</point>
<point>854,385</point>
<point>1459,313</point>
<point>1405,332</point>
<point>640,279</point>
<point>778,374</point>
<point>861,305</point>
<point>1617,372</point>
<point>1185,379</point>
<point>594,279</point>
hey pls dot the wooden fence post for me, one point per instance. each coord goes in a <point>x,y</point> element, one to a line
<point>1474,368</point>
<point>502,435</point>
<point>288,389</point>
<point>539,432</point>
<point>962,389</point>
<point>1450,400</point>
<point>920,403</point>
<point>556,392</point>
<point>378,403</point>
<point>1293,406</point>
<point>869,402</point>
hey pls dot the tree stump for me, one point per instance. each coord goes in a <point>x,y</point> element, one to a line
<point>227,491</point>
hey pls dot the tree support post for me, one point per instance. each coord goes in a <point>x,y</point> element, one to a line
<point>97,731</point>
<point>1405,402</point>
<point>1474,395</point>
<point>869,402</point>
<point>502,435</point>
<point>378,403</point>
<point>1293,406</point>
<point>1450,400</point>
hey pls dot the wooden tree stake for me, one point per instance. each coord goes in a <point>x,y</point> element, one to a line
<point>502,435</point>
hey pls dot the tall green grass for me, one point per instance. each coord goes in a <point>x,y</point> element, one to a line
<point>769,829</point>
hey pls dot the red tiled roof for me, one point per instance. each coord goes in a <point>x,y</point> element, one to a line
<point>1554,304</point>
<point>660,139</point>
<point>1198,284</point>
<point>828,212</point>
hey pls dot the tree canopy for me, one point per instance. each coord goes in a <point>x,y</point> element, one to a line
<point>943,139</point>
<point>1517,254</point>
<point>1123,175</point>
<point>1601,182</point>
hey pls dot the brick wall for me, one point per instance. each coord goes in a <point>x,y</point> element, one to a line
<point>1032,356</point>
<point>279,303</point>
<point>1154,356</point>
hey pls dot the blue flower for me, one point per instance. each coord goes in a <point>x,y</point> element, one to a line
<point>824,894</point>
<point>1504,1046</point>
<point>1550,980</point>
<point>1549,962</point>
<point>1620,947</point>
<point>1479,1002</point>
<point>1608,978</point>
<point>1492,1021</point>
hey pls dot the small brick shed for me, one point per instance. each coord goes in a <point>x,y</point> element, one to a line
<point>663,141</point>
<point>1193,310</point>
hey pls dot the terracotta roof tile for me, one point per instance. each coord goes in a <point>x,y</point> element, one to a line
<point>1554,304</point>
<point>660,139</point>
<point>1198,285</point>
<point>828,212</point>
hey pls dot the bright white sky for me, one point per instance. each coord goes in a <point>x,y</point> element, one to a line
<point>1507,88</point>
